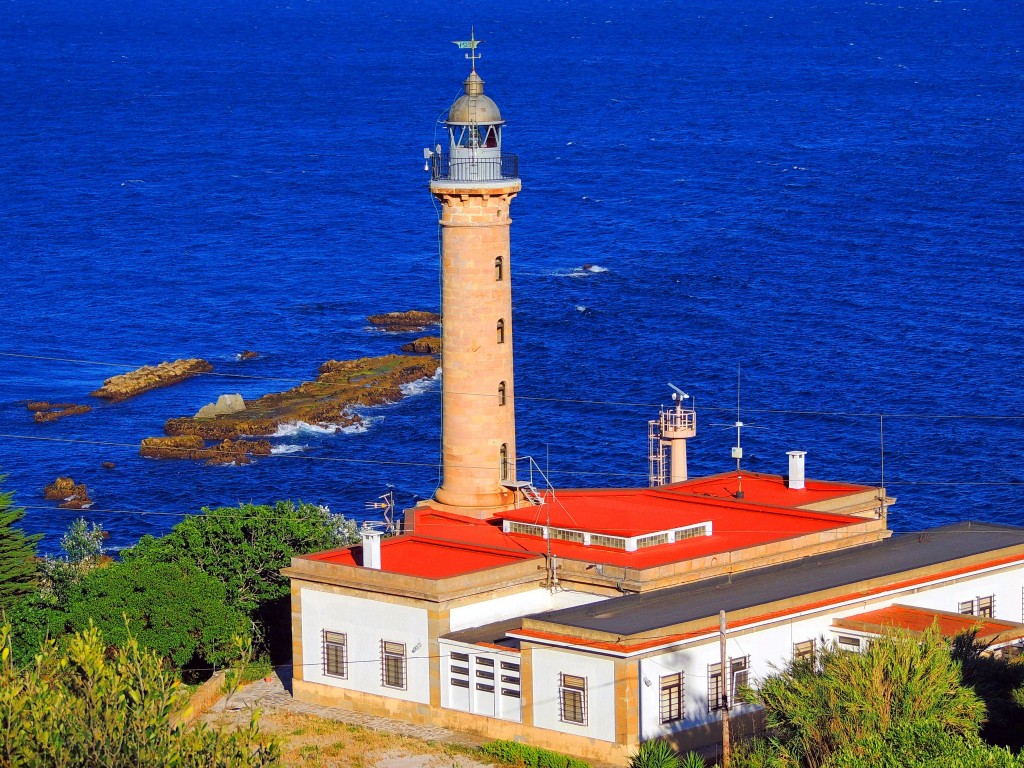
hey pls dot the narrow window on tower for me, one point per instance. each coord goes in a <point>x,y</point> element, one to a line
<point>503,461</point>
<point>501,331</point>
<point>499,269</point>
<point>501,393</point>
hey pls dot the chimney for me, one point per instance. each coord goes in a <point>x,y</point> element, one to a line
<point>371,546</point>
<point>796,469</point>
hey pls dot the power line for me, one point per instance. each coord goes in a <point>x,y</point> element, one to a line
<point>580,401</point>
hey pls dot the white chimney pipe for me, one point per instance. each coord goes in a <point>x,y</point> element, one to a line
<point>796,469</point>
<point>371,546</point>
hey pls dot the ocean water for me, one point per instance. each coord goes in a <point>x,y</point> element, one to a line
<point>826,195</point>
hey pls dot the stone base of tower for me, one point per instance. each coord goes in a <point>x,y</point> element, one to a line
<point>475,512</point>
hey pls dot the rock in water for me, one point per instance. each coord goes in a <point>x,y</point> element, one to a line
<point>43,412</point>
<point>428,345</point>
<point>410,320</point>
<point>248,354</point>
<point>71,494</point>
<point>224,404</point>
<point>149,377</point>
<point>194,447</point>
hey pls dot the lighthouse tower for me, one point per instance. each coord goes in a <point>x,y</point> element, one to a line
<point>474,181</point>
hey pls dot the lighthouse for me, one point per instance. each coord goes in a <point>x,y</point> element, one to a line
<point>475,180</point>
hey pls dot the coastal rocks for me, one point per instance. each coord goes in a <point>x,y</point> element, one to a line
<point>401,322</point>
<point>224,404</point>
<point>109,465</point>
<point>326,402</point>
<point>43,412</point>
<point>248,354</point>
<point>72,495</point>
<point>149,377</point>
<point>194,447</point>
<point>428,345</point>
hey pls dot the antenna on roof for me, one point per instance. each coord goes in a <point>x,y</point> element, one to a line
<point>739,425</point>
<point>387,503</point>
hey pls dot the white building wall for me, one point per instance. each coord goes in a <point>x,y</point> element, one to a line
<point>771,647</point>
<point>519,604</point>
<point>366,623</point>
<point>548,666</point>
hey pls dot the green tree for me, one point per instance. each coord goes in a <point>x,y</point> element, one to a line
<point>174,609</point>
<point>92,707</point>
<point>999,682</point>
<point>245,547</point>
<point>19,570</point>
<point>844,701</point>
<point>83,550</point>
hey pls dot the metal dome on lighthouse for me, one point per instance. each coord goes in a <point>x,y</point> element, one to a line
<point>474,125</point>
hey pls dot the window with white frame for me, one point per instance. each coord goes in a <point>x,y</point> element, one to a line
<point>670,702</point>
<point>392,664</point>
<point>335,653</point>
<point>849,643</point>
<point>739,677</point>
<point>572,699</point>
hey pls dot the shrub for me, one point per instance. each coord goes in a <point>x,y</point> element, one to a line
<point>655,754</point>
<point>514,753</point>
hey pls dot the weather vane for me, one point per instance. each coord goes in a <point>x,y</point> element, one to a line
<point>471,44</point>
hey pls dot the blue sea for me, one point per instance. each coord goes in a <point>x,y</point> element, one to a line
<point>824,195</point>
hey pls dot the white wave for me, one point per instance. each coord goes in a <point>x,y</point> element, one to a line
<point>293,428</point>
<point>420,386</point>
<point>595,268</point>
<point>580,308</point>
<point>277,450</point>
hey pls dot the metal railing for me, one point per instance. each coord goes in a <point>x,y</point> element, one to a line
<point>444,168</point>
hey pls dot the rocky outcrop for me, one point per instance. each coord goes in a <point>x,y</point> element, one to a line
<point>43,412</point>
<point>428,345</point>
<point>401,322</point>
<point>109,465</point>
<point>72,495</point>
<point>149,377</point>
<point>194,447</point>
<point>248,354</point>
<point>224,404</point>
<point>326,401</point>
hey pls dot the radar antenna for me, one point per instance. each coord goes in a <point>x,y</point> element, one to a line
<point>387,503</point>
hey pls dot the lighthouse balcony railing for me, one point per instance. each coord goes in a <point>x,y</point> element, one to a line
<point>678,423</point>
<point>495,168</point>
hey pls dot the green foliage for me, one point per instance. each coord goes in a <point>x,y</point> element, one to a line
<point>83,551</point>
<point>846,700</point>
<point>913,745</point>
<point>19,570</point>
<point>245,547</point>
<point>655,754</point>
<point>33,619</point>
<point>176,610</point>
<point>93,707</point>
<point>1000,684</point>
<point>692,760</point>
<point>514,753</point>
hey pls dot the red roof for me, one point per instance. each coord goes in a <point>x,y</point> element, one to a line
<point>444,544</point>
<point>920,619</point>
<point>427,558</point>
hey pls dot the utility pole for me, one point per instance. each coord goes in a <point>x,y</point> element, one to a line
<point>725,689</point>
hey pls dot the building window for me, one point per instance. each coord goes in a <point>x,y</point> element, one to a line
<point>572,699</point>
<point>739,676</point>
<point>503,461</point>
<point>501,331</point>
<point>612,542</point>
<point>848,643</point>
<point>670,705</point>
<point>392,668</point>
<point>501,393</point>
<point>987,606</point>
<point>983,606</point>
<point>803,651</point>
<point>335,654</point>
<point>530,530</point>
<point>652,540</point>
<point>499,269</point>
<point>563,535</point>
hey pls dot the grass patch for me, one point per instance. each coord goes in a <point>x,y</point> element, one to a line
<point>514,753</point>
